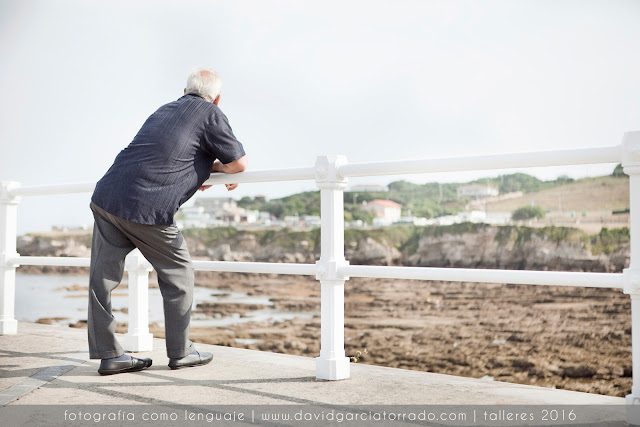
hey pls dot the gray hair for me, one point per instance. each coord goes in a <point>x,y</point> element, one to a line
<point>204,82</point>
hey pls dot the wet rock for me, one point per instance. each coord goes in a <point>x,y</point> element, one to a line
<point>522,364</point>
<point>51,320</point>
<point>80,324</point>
<point>578,371</point>
<point>516,338</point>
<point>493,363</point>
<point>225,309</point>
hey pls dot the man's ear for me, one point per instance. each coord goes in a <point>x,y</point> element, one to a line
<point>215,101</point>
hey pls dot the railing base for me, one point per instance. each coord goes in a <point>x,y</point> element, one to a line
<point>137,343</point>
<point>633,409</point>
<point>8,327</point>
<point>332,369</point>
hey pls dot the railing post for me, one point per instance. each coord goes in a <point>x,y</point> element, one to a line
<point>8,231</point>
<point>138,337</point>
<point>631,165</point>
<point>332,364</point>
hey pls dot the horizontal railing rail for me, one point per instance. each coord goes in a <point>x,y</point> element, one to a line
<point>62,261</point>
<point>257,267</point>
<point>332,269</point>
<point>273,175</point>
<point>532,159</point>
<point>44,190</point>
<point>222,266</point>
<point>481,275</point>
<point>516,277</point>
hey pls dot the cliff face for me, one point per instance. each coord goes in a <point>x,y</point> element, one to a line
<point>496,247</point>
<point>471,247</point>
<point>60,246</point>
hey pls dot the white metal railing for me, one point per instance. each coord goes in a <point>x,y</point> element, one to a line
<point>332,269</point>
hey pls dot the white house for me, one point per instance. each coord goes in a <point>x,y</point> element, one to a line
<point>386,211</point>
<point>215,205</point>
<point>362,188</point>
<point>477,191</point>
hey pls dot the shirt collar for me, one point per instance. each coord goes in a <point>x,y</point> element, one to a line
<point>193,94</point>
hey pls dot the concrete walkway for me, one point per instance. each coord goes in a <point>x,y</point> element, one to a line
<point>44,365</point>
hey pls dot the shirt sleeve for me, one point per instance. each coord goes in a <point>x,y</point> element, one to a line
<point>221,141</point>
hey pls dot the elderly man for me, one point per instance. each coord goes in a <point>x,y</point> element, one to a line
<point>134,206</point>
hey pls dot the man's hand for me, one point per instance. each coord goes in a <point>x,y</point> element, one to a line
<point>229,187</point>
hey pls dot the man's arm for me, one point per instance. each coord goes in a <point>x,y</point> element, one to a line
<point>236,166</point>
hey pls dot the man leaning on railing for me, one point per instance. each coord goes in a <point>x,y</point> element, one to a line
<point>134,206</point>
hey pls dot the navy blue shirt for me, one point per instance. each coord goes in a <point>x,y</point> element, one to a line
<point>167,161</point>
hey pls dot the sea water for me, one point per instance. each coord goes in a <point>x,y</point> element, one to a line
<point>40,296</point>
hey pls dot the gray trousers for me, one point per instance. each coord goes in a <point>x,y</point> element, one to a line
<point>165,248</point>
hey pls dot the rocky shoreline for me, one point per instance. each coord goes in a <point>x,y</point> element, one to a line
<point>571,338</point>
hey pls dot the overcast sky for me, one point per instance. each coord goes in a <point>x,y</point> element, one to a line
<point>371,80</point>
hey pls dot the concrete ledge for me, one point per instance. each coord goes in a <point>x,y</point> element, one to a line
<point>46,364</point>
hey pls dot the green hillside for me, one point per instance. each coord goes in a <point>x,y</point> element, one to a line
<point>434,199</point>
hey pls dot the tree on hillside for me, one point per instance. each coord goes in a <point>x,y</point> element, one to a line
<point>517,182</point>
<point>564,179</point>
<point>618,172</point>
<point>307,203</point>
<point>527,212</point>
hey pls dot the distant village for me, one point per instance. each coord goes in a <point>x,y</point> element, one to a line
<point>224,211</point>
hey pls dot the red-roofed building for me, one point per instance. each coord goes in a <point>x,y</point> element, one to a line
<point>388,210</point>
